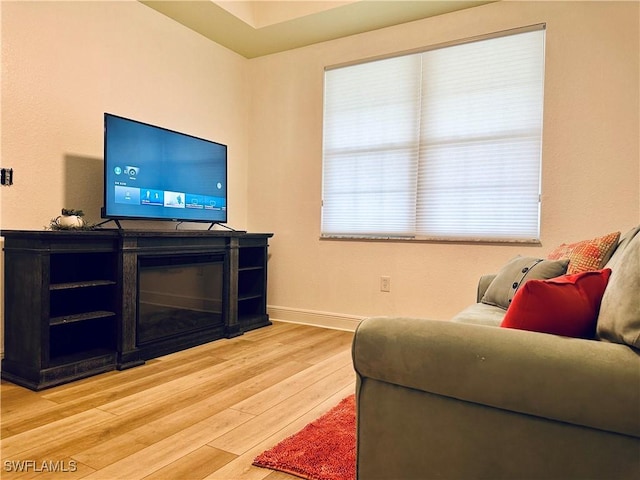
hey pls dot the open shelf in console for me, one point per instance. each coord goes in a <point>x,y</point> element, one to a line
<point>252,257</point>
<point>74,269</point>
<point>252,285</point>
<point>83,306</point>
<point>81,339</point>
<point>76,304</point>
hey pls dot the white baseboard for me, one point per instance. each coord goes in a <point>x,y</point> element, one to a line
<point>336,321</point>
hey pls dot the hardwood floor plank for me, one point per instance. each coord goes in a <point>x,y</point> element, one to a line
<point>334,344</point>
<point>205,412</point>
<point>222,374</point>
<point>21,443</point>
<point>110,451</point>
<point>195,409</point>
<point>171,449</point>
<point>280,333</point>
<point>207,408</point>
<point>125,382</point>
<point>278,393</point>
<point>22,410</point>
<point>239,440</point>
<point>302,337</point>
<point>83,399</point>
<point>242,469</point>
<point>194,466</point>
<point>277,476</point>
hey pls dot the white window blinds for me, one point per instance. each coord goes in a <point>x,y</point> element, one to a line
<point>442,144</point>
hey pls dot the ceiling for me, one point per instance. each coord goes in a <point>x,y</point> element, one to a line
<point>262,27</point>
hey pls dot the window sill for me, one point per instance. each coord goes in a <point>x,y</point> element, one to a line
<point>463,241</point>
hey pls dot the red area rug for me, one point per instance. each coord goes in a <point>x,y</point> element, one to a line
<point>323,450</point>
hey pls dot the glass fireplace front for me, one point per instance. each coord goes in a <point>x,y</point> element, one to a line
<point>179,294</point>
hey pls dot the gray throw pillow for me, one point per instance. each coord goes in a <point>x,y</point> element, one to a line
<point>619,317</point>
<point>518,271</point>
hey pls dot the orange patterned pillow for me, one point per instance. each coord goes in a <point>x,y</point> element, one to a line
<point>588,254</point>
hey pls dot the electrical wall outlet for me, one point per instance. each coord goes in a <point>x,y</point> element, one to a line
<point>385,284</point>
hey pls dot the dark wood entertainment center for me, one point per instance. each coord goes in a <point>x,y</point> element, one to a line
<point>78,303</point>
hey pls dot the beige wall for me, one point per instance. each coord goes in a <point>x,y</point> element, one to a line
<point>590,176</point>
<point>65,63</point>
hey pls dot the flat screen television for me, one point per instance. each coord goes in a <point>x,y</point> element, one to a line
<point>153,173</point>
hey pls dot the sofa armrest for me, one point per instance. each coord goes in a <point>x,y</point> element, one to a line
<point>483,284</point>
<point>583,382</point>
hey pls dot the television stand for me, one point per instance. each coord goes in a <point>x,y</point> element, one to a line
<point>78,303</point>
<point>213,224</point>
<point>115,220</point>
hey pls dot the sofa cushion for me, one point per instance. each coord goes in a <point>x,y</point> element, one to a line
<point>517,272</point>
<point>588,254</point>
<point>619,319</point>
<point>566,305</point>
<point>480,314</point>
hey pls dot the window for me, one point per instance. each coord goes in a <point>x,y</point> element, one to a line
<point>441,144</point>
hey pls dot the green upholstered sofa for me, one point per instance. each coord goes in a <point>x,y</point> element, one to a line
<point>466,399</point>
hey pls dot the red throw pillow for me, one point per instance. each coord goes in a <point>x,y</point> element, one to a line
<point>566,305</point>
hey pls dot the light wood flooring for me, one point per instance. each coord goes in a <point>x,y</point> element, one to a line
<point>205,412</point>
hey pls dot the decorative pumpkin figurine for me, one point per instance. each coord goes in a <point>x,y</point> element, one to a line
<point>70,219</point>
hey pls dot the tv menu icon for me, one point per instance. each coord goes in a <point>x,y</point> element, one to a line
<point>174,199</point>
<point>132,171</point>
<point>194,201</point>
<point>214,203</point>
<point>149,196</point>
<point>127,195</point>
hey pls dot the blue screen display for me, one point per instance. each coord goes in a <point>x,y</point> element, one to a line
<point>155,173</point>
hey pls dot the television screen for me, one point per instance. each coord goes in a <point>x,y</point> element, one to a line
<point>156,173</point>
